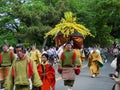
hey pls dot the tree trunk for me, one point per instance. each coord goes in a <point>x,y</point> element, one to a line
<point>44,43</point>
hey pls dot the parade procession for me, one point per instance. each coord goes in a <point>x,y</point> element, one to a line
<point>59,45</point>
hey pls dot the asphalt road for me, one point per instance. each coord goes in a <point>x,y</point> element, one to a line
<point>85,82</point>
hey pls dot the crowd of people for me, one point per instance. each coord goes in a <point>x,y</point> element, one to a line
<point>32,69</point>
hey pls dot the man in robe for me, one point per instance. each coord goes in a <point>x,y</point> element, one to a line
<point>22,69</point>
<point>6,56</point>
<point>81,55</point>
<point>69,59</point>
<point>6,59</point>
<point>94,63</point>
<point>35,54</point>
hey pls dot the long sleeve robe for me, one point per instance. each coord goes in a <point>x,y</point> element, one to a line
<point>19,74</point>
<point>94,62</point>
<point>69,59</point>
<point>47,75</point>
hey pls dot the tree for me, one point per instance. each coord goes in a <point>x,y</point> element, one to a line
<point>35,18</point>
<point>97,15</point>
<point>106,12</point>
<point>31,19</point>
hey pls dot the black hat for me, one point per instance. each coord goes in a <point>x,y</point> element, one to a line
<point>46,55</point>
<point>19,46</point>
<point>69,42</point>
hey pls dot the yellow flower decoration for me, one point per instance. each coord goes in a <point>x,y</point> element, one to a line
<point>68,26</point>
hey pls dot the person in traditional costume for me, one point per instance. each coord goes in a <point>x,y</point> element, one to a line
<point>94,62</point>
<point>35,54</point>
<point>46,73</point>
<point>69,62</point>
<point>6,56</point>
<point>6,59</point>
<point>81,55</point>
<point>22,69</point>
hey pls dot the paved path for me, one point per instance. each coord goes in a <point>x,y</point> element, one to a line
<point>85,82</point>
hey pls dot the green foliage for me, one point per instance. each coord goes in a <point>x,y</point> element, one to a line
<point>37,17</point>
<point>105,20</point>
<point>9,36</point>
<point>97,16</point>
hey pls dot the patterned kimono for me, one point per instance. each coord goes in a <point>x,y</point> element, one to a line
<point>47,75</point>
<point>20,73</point>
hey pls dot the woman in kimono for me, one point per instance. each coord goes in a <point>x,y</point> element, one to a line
<point>46,73</point>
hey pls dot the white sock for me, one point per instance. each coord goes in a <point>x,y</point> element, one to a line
<point>69,88</point>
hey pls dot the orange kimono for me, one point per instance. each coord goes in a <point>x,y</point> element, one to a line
<point>47,75</point>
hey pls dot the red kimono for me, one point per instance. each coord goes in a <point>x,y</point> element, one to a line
<point>47,75</point>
